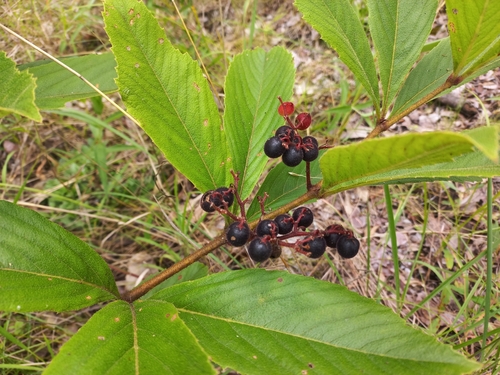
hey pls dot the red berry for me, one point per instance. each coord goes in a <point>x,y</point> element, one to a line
<point>303,121</point>
<point>286,109</point>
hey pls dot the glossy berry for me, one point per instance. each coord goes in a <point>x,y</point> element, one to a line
<point>267,227</point>
<point>286,109</point>
<point>238,233</point>
<point>260,249</point>
<point>293,156</point>
<point>315,246</point>
<point>285,223</point>
<point>206,202</point>
<point>311,150</point>
<point>303,121</point>
<point>274,148</point>
<point>222,196</point>
<point>308,139</point>
<point>347,246</point>
<point>303,216</point>
<point>332,234</point>
<point>285,133</point>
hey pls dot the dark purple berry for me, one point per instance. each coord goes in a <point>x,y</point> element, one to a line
<point>311,150</point>
<point>315,246</point>
<point>238,233</point>
<point>206,202</point>
<point>309,139</point>
<point>285,133</point>
<point>293,156</point>
<point>332,234</point>
<point>303,216</point>
<point>260,249</point>
<point>274,148</point>
<point>303,121</point>
<point>285,223</point>
<point>267,227</point>
<point>222,196</point>
<point>347,246</point>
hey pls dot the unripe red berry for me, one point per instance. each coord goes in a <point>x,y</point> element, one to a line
<point>286,109</point>
<point>303,121</point>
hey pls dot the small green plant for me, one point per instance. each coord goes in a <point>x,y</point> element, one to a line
<point>253,321</point>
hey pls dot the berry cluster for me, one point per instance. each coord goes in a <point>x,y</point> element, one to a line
<point>287,142</point>
<point>270,236</point>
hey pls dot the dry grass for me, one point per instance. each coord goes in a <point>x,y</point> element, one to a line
<point>52,170</point>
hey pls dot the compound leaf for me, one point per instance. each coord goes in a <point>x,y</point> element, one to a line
<point>44,267</point>
<point>17,90</point>
<point>474,32</point>
<point>254,81</point>
<point>399,30</point>
<point>142,338</point>
<point>273,322</point>
<point>56,85</point>
<point>168,94</point>
<point>341,28</point>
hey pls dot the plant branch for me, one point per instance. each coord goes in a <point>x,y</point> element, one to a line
<point>220,240</point>
<point>385,124</point>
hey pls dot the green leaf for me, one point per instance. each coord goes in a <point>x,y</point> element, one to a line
<point>167,93</point>
<point>472,166</point>
<point>367,162</point>
<point>475,33</point>
<point>261,322</point>
<point>44,267</point>
<point>429,74</point>
<point>56,85</point>
<point>142,338</point>
<point>283,184</point>
<point>340,27</point>
<point>254,81</point>
<point>17,90</point>
<point>399,30</point>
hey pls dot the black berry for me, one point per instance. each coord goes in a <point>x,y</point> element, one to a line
<point>311,150</point>
<point>221,195</point>
<point>347,246</point>
<point>260,249</point>
<point>274,148</point>
<point>293,156</point>
<point>206,202</point>
<point>285,223</point>
<point>315,246</point>
<point>238,233</point>
<point>303,216</point>
<point>332,234</point>
<point>285,133</point>
<point>308,139</point>
<point>267,227</point>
